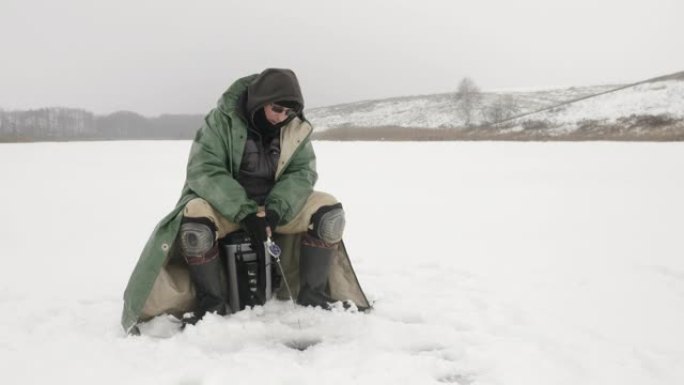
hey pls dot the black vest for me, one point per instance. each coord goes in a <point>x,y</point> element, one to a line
<point>259,165</point>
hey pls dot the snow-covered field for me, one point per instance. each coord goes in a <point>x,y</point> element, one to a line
<point>489,263</point>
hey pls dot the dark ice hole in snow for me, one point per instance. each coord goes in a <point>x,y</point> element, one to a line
<point>460,379</point>
<point>302,344</point>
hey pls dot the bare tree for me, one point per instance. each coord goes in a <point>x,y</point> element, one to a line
<point>503,108</point>
<point>468,99</point>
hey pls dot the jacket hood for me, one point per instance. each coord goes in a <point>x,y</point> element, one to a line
<point>246,95</point>
<point>273,85</point>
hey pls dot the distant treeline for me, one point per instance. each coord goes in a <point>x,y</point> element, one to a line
<point>63,124</point>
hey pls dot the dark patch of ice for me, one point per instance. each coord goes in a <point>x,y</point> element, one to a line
<point>302,344</point>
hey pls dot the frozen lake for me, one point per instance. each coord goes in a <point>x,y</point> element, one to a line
<point>489,263</point>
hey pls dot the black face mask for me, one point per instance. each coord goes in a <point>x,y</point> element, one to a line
<point>265,127</point>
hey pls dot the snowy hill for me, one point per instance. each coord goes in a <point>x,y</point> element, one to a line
<point>658,102</point>
<point>648,110</point>
<point>436,111</point>
<point>531,263</point>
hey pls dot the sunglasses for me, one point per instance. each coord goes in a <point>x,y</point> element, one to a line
<point>280,109</point>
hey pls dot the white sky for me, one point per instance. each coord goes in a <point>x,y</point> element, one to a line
<point>163,56</point>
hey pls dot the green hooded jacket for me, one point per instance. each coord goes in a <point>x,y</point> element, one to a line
<point>213,165</point>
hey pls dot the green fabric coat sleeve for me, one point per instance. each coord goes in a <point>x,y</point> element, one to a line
<point>294,186</point>
<point>208,173</point>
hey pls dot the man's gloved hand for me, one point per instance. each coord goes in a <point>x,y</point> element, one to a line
<point>272,219</point>
<point>256,223</point>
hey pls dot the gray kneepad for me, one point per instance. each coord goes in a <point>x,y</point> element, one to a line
<point>328,223</point>
<point>196,239</point>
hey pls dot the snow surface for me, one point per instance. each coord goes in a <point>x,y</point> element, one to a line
<point>488,263</point>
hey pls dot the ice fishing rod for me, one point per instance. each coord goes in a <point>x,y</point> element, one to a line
<point>274,251</point>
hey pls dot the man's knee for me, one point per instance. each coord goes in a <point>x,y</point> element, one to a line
<point>197,237</point>
<point>327,223</point>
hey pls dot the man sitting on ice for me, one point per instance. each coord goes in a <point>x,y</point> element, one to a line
<point>251,166</point>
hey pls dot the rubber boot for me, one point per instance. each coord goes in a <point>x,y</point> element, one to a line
<point>211,289</point>
<point>314,268</point>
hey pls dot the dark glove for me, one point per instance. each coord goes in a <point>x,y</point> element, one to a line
<point>272,218</point>
<point>256,226</point>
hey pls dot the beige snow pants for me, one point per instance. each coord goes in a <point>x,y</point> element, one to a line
<point>173,291</point>
<point>199,208</point>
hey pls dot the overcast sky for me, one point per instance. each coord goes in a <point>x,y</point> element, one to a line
<point>163,56</point>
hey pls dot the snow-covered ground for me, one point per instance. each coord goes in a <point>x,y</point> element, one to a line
<point>489,263</point>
